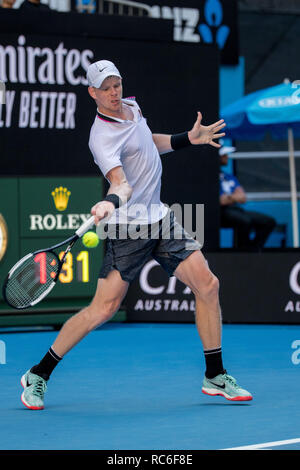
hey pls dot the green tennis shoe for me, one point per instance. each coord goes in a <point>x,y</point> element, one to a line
<point>226,386</point>
<point>34,390</point>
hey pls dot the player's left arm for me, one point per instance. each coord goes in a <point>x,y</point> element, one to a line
<point>198,135</point>
<point>162,142</point>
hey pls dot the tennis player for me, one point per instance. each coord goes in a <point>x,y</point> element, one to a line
<point>128,155</point>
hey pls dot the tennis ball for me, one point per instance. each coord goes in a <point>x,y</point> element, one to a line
<point>90,239</point>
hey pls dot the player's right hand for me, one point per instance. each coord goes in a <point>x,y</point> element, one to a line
<point>101,210</point>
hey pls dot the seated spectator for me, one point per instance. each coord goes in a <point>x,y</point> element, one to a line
<point>33,5</point>
<point>7,3</point>
<point>244,222</point>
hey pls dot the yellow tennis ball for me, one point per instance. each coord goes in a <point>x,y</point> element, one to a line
<point>90,239</point>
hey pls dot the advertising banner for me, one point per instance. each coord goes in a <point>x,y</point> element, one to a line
<point>259,287</point>
<point>254,288</point>
<point>37,213</point>
<point>195,21</point>
<point>202,22</point>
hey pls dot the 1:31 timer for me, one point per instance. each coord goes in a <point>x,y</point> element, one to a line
<point>66,275</point>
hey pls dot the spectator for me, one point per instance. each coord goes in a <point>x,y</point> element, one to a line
<point>33,5</point>
<point>7,3</point>
<point>244,222</point>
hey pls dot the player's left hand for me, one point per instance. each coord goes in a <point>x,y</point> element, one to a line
<point>200,134</point>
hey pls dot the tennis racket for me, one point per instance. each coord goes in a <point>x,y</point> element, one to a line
<point>35,275</point>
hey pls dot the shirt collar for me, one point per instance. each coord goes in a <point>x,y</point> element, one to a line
<point>106,118</point>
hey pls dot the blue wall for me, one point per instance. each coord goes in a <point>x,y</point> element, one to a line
<point>231,84</point>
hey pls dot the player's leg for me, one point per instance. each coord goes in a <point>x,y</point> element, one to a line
<point>123,260</point>
<point>195,273</point>
<point>179,254</point>
<point>108,297</point>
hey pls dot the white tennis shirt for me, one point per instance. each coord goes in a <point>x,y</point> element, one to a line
<point>116,142</point>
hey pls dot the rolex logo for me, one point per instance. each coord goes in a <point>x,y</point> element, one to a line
<point>61,198</point>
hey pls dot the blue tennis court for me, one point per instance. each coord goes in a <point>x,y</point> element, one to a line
<point>138,386</point>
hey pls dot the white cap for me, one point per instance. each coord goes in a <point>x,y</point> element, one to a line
<point>226,150</point>
<point>99,71</point>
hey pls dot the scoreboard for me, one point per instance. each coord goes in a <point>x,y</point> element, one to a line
<point>39,212</point>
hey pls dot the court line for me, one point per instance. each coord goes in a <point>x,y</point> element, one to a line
<point>266,444</point>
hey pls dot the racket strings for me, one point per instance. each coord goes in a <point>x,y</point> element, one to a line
<point>31,279</point>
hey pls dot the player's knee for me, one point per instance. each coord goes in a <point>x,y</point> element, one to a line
<point>110,309</point>
<point>213,286</point>
<point>208,288</point>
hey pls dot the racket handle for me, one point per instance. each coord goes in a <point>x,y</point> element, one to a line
<point>88,224</point>
<point>85,226</point>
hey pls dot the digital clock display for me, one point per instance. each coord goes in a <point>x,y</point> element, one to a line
<point>79,273</point>
<point>81,267</point>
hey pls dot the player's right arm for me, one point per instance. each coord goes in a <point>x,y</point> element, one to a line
<point>118,186</point>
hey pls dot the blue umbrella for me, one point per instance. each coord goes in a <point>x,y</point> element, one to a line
<point>274,110</point>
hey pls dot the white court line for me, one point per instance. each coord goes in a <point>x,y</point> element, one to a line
<point>266,444</point>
